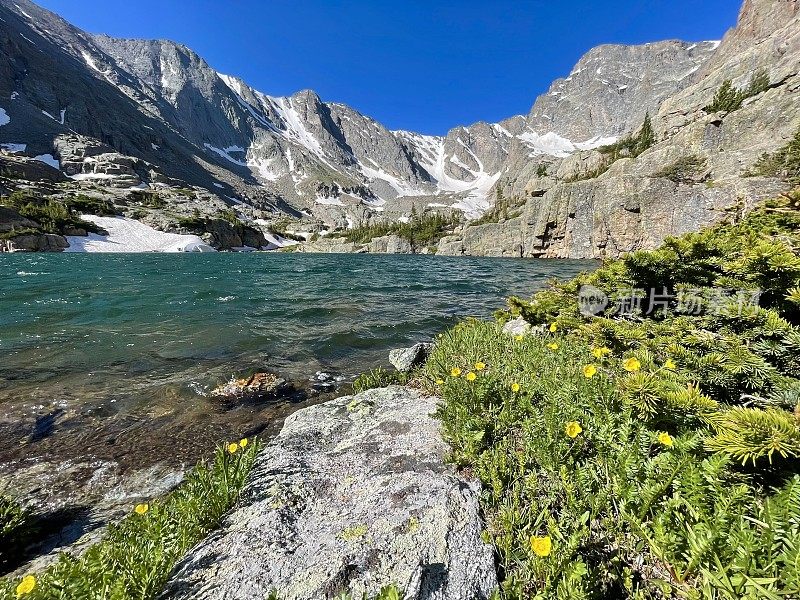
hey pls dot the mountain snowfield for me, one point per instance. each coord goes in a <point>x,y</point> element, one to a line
<point>78,97</point>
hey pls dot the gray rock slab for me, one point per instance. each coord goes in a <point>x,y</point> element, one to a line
<point>352,495</point>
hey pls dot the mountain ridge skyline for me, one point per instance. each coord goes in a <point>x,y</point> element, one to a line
<point>476,80</point>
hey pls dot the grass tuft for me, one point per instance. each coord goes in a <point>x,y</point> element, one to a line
<point>135,557</point>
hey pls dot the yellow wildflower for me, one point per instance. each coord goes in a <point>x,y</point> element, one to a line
<point>26,585</point>
<point>243,443</point>
<point>573,429</point>
<point>541,545</point>
<point>600,352</point>
<point>141,509</point>
<point>233,448</point>
<point>553,327</point>
<point>589,371</point>
<point>515,387</point>
<point>455,372</point>
<point>631,364</point>
<point>518,338</point>
<point>553,346</point>
<point>665,438</point>
<point>480,366</point>
<point>471,376</point>
<point>439,381</point>
<point>670,365</point>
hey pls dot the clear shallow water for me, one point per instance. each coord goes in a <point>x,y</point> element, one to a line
<point>119,335</point>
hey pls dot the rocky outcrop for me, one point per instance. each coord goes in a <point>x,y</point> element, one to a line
<point>37,242</point>
<point>405,359</point>
<point>351,496</point>
<point>258,385</point>
<point>612,87</point>
<point>390,244</point>
<point>11,220</point>
<point>28,169</point>
<point>636,203</point>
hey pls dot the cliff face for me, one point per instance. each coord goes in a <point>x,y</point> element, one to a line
<point>153,114</point>
<point>634,204</point>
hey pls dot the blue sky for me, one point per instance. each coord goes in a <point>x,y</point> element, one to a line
<point>420,65</point>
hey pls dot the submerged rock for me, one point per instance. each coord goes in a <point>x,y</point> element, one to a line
<point>405,359</point>
<point>258,384</point>
<point>351,496</point>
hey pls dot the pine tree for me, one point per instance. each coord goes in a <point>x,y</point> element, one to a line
<point>727,98</point>
<point>759,82</point>
<point>646,137</point>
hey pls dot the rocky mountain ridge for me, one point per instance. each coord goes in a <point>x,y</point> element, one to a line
<point>152,112</point>
<point>584,206</point>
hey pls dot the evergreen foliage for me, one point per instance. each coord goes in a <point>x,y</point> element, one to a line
<point>785,163</point>
<point>728,98</point>
<point>630,146</point>
<point>419,231</point>
<point>503,209</point>
<point>686,169</point>
<point>647,455</point>
<point>55,216</point>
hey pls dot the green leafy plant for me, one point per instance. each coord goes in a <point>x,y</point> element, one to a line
<point>16,529</point>
<point>377,378</point>
<point>645,455</point>
<point>136,556</point>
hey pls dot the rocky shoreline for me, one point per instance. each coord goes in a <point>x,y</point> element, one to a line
<point>352,496</point>
<point>77,472</point>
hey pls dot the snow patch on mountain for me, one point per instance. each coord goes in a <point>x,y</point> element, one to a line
<point>48,160</point>
<point>128,235</point>
<point>553,144</point>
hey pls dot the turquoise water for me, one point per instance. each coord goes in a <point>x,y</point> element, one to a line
<point>105,335</point>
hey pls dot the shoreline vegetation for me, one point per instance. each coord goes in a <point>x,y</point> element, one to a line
<point>135,556</point>
<point>652,454</point>
<point>644,456</point>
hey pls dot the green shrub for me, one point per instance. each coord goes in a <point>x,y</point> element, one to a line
<point>651,455</point>
<point>195,224</point>
<point>53,216</point>
<point>785,163</point>
<point>16,528</point>
<point>629,146</point>
<point>231,217</point>
<point>503,209</point>
<point>632,145</point>
<point>419,231</point>
<point>378,378</point>
<point>728,99</point>
<point>91,206</point>
<point>136,556</point>
<point>148,199</point>
<point>685,169</point>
